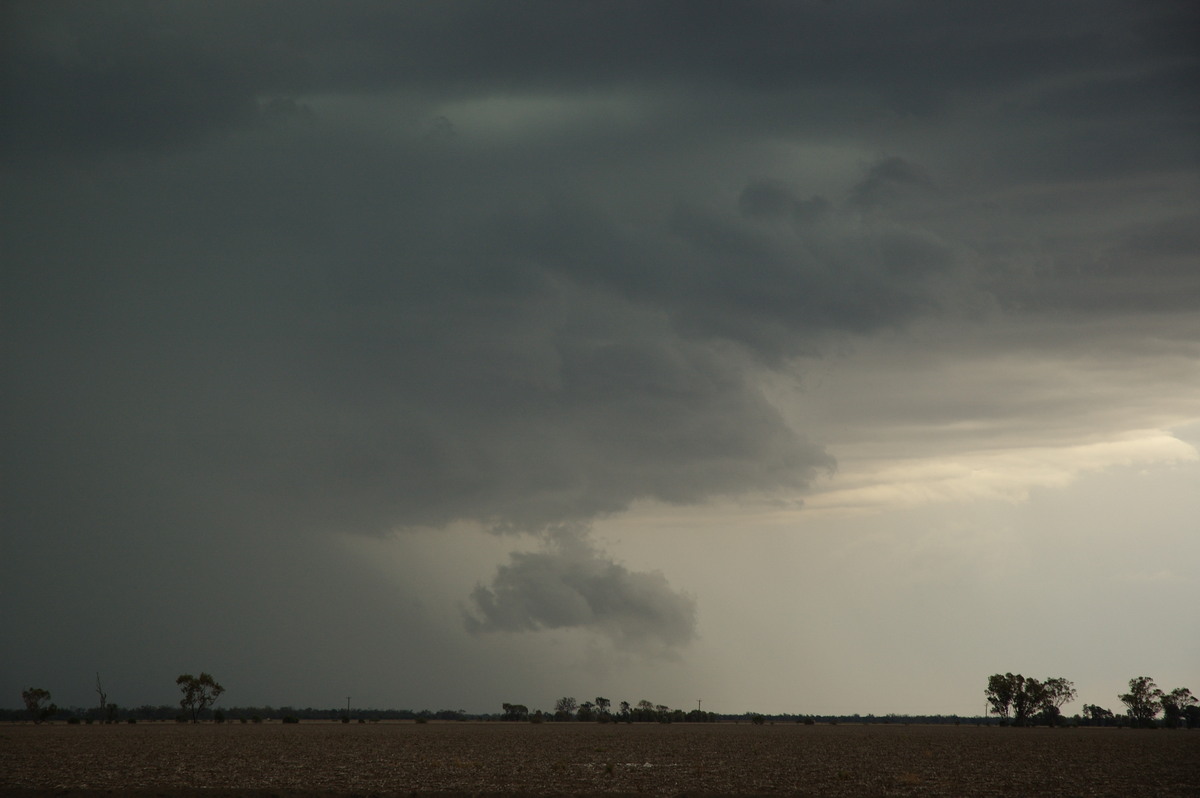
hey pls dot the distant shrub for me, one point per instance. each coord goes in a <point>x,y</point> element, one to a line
<point>757,719</point>
<point>290,719</point>
<point>131,720</point>
<point>73,721</point>
<point>345,720</point>
<point>218,716</point>
<point>420,719</point>
<point>256,719</point>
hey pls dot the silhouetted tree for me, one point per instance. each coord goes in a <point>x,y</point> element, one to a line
<point>1097,714</point>
<point>1056,692</point>
<point>1175,705</point>
<point>108,712</point>
<point>36,704</point>
<point>1143,700</point>
<point>602,705</point>
<point>199,693</point>
<point>564,708</point>
<point>515,711</point>
<point>999,693</point>
<point>1028,697</point>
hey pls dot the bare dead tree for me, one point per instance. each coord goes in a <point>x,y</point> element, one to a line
<point>103,697</point>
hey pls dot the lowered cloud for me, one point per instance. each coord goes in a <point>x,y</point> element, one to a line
<point>571,584</point>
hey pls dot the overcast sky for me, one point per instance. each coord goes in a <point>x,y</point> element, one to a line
<point>790,356</point>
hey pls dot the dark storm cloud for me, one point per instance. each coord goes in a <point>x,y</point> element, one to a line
<point>890,181</point>
<point>303,267</point>
<point>342,354</point>
<point>87,76</point>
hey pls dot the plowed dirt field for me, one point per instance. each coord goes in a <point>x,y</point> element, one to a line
<point>570,758</point>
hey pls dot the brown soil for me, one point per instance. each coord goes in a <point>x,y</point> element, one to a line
<point>498,758</point>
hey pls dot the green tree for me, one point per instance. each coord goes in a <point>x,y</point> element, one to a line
<point>1175,705</point>
<point>37,704</point>
<point>1143,700</point>
<point>199,693</point>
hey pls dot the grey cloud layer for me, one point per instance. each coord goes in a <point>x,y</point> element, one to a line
<point>360,267</point>
<point>130,73</point>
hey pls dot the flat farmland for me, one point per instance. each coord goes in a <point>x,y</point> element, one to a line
<point>320,758</point>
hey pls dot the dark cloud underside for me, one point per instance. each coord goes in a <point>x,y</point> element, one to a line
<point>304,267</point>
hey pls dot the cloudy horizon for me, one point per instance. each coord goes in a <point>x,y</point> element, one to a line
<point>796,357</point>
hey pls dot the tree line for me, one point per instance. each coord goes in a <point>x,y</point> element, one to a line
<point>1012,698</point>
<point>602,711</point>
<point>1027,701</point>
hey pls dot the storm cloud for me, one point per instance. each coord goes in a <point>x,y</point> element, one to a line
<point>281,271</point>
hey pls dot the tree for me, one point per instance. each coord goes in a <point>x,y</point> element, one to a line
<point>1175,705</point>
<point>199,693</point>
<point>108,712</point>
<point>1097,714</point>
<point>36,704</point>
<point>1058,691</point>
<point>625,710</point>
<point>1028,697</point>
<point>564,708</point>
<point>999,693</point>
<point>585,711</point>
<point>515,711</point>
<point>1143,700</point>
<point>602,705</point>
